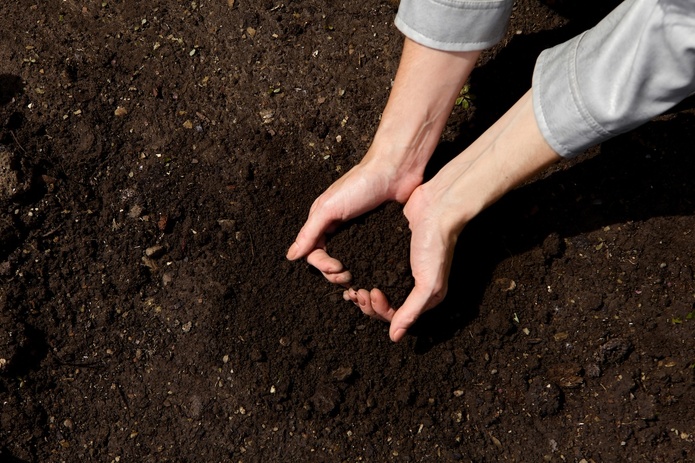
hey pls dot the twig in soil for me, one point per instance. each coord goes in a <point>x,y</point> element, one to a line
<point>253,253</point>
<point>47,234</point>
<point>17,142</point>
<point>338,291</point>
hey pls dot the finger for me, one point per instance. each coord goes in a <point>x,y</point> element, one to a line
<point>364,301</point>
<point>416,303</point>
<point>310,235</point>
<point>332,268</point>
<point>351,295</point>
<point>380,305</point>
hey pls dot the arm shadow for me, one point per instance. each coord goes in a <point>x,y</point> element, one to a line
<point>643,174</point>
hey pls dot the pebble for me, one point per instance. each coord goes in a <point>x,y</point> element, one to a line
<point>154,251</point>
<point>342,374</point>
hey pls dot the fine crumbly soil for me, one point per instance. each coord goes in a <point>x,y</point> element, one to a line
<point>157,159</point>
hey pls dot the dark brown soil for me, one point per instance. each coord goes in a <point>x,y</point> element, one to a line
<point>157,158</point>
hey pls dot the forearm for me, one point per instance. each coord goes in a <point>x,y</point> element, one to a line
<point>507,154</point>
<point>423,94</point>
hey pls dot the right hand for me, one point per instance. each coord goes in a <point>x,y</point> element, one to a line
<point>432,246</point>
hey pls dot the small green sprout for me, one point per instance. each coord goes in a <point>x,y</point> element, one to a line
<point>465,97</point>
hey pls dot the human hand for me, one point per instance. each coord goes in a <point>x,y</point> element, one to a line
<point>511,151</point>
<point>433,239</point>
<point>423,93</point>
<point>363,188</point>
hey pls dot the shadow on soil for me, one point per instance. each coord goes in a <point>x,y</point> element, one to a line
<point>633,179</point>
<point>7,457</point>
<point>10,86</point>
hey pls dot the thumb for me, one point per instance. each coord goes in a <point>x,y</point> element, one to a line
<point>309,236</point>
<point>417,302</point>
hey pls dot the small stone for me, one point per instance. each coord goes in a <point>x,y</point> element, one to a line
<point>342,374</point>
<point>506,284</point>
<point>614,351</point>
<point>120,111</point>
<point>227,225</point>
<point>150,263</point>
<point>593,370</point>
<point>187,327</point>
<point>188,124</point>
<point>162,223</point>
<point>154,251</point>
<point>135,211</point>
<point>5,268</point>
<point>267,115</point>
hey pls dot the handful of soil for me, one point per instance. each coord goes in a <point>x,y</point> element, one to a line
<point>375,248</point>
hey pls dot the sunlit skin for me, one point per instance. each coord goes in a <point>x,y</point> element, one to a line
<point>424,91</point>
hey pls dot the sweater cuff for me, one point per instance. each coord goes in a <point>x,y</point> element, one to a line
<point>562,117</point>
<point>454,25</point>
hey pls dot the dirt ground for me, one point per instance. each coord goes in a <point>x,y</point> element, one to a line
<point>157,159</point>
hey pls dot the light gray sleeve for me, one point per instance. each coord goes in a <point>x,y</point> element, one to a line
<point>634,65</point>
<point>454,25</point>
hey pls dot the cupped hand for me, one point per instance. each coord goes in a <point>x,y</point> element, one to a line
<point>432,246</point>
<point>361,189</point>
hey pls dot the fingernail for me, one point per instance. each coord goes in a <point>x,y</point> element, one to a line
<point>292,252</point>
<point>345,278</point>
<point>397,335</point>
